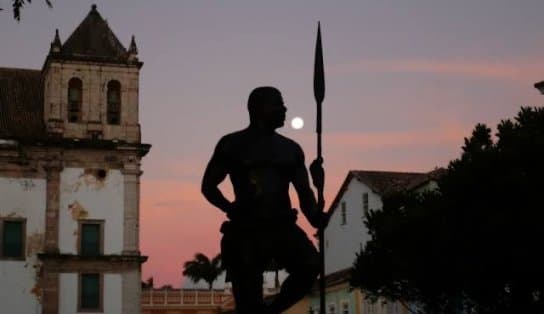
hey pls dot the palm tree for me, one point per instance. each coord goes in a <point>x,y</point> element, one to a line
<point>202,268</point>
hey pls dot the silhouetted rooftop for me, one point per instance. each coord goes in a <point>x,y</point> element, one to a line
<point>386,182</point>
<point>21,103</point>
<point>93,40</point>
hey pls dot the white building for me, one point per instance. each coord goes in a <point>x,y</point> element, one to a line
<point>346,234</point>
<point>70,151</point>
<point>360,192</point>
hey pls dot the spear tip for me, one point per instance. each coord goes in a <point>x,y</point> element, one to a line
<point>319,75</point>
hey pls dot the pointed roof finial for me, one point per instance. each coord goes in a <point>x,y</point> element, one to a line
<point>133,49</point>
<point>57,37</point>
<point>93,7</point>
<point>56,44</point>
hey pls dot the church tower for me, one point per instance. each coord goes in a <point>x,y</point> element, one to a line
<point>91,84</point>
<point>70,152</point>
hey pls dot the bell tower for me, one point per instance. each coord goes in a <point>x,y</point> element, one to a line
<point>92,162</point>
<point>91,84</point>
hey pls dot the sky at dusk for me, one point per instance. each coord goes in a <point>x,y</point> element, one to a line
<point>405,82</point>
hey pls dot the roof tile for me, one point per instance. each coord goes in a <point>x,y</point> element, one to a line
<point>21,103</point>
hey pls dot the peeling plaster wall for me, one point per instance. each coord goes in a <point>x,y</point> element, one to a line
<point>23,198</point>
<point>84,195</point>
<point>68,287</point>
<point>343,241</point>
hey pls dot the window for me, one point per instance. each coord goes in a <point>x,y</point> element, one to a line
<point>331,309</point>
<point>345,307</point>
<point>90,292</point>
<point>75,88</point>
<point>344,214</point>
<point>368,306</point>
<point>12,238</point>
<point>91,237</point>
<point>365,205</point>
<point>114,102</point>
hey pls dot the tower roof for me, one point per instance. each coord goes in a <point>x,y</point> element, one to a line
<point>93,40</point>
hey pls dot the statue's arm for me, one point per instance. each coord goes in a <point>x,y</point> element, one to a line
<point>215,173</point>
<point>301,182</point>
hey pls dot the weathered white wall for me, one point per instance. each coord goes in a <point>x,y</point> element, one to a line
<point>343,241</point>
<point>24,198</point>
<point>68,287</point>
<point>83,196</point>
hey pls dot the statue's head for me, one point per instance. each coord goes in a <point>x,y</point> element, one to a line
<point>266,107</point>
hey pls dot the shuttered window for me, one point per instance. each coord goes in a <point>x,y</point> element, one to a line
<point>91,238</point>
<point>12,238</point>
<point>90,292</point>
<point>75,91</point>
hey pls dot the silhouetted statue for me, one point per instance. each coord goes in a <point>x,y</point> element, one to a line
<point>262,223</point>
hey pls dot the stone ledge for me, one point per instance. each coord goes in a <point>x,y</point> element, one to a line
<point>102,264</point>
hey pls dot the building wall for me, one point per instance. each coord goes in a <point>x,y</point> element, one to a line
<point>336,296</point>
<point>19,289</point>
<point>112,292</point>
<point>95,78</point>
<point>356,300</point>
<point>84,195</point>
<point>343,241</point>
<point>301,307</point>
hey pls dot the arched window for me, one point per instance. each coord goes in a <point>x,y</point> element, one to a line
<point>114,102</point>
<point>74,99</point>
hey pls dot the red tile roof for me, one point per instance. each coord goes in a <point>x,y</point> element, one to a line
<point>21,103</point>
<point>386,182</point>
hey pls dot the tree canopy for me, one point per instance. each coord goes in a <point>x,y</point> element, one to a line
<point>17,6</point>
<point>474,244</point>
<point>202,268</point>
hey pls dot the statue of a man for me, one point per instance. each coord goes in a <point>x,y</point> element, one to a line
<point>262,223</point>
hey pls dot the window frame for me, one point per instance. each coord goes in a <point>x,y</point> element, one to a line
<point>344,307</point>
<point>101,232</point>
<point>333,307</point>
<point>23,240</point>
<point>74,83</point>
<point>113,85</point>
<point>343,213</point>
<point>100,308</point>
<point>366,207</point>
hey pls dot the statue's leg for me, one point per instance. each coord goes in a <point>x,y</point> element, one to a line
<point>300,258</point>
<point>247,287</point>
<point>243,263</point>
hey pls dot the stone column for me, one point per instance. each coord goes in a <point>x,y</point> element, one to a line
<point>53,170</point>
<point>131,221</point>
<point>50,279</point>
<point>131,286</point>
<point>50,293</point>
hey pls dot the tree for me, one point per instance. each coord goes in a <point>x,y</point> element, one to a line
<point>474,244</point>
<point>148,284</point>
<point>17,6</point>
<point>202,268</point>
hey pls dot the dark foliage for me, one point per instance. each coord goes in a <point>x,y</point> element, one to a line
<point>202,268</point>
<point>17,6</point>
<point>474,245</point>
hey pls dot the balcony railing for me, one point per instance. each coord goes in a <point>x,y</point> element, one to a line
<point>183,297</point>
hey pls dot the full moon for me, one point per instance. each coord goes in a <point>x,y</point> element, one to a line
<point>297,123</point>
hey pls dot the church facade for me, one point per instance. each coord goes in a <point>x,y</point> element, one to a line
<point>70,152</point>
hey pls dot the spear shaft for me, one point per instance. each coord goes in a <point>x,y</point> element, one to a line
<point>319,93</point>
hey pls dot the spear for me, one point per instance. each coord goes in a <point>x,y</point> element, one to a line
<point>319,93</point>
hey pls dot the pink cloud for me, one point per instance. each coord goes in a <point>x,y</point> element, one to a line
<point>501,69</point>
